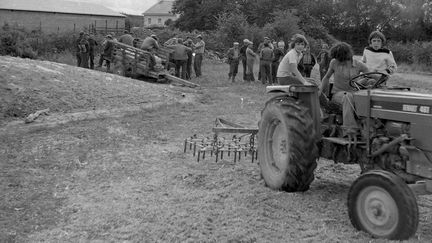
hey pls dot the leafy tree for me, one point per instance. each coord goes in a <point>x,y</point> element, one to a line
<point>199,14</point>
<point>231,27</point>
<point>284,26</point>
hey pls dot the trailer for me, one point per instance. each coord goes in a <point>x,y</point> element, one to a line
<point>133,62</point>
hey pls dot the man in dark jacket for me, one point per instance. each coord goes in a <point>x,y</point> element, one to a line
<point>126,38</point>
<point>84,49</point>
<point>307,63</point>
<point>180,56</point>
<point>151,45</point>
<point>243,56</point>
<point>278,54</point>
<point>233,61</point>
<point>324,60</point>
<point>77,49</point>
<point>189,43</point>
<point>266,58</point>
<point>92,45</point>
<point>107,52</point>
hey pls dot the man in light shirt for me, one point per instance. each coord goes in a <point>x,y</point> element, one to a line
<point>199,48</point>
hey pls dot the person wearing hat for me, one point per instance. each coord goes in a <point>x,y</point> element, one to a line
<point>243,56</point>
<point>77,49</point>
<point>199,48</point>
<point>107,52</point>
<point>250,60</point>
<point>233,56</point>
<point>151,45</point>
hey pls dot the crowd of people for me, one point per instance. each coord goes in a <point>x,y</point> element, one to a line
<point>293,65</point>
<point>279,62</point>
<point>185,53</point>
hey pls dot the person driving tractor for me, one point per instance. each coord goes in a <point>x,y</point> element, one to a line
<point>343,68</point>
<point>377,57</point>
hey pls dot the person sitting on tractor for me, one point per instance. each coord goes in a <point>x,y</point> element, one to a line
<point>377,57</point>
<point>287,72</point>
<point>343,68</point>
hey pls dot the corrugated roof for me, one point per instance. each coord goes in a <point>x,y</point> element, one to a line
<point>58,6</point>
<point>162,7</point>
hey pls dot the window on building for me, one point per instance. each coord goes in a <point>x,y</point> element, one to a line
<point>159,21</point>
<point>149,20</point>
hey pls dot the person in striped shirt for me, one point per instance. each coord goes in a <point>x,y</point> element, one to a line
<point>377,57</point>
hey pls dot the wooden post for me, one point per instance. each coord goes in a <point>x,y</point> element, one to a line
<point>117,27</point>
<point>95,26</point>
<point>106,26</point>
<point>74,27</point>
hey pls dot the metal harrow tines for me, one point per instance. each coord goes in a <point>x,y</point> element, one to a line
<point>237,146</point>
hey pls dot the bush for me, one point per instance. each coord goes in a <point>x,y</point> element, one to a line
<point>21,43</point>
<point>417,53</point>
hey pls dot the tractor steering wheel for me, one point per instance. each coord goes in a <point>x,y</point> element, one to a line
<point>358,82</point>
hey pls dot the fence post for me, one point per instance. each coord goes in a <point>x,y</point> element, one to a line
<point>74,27</point>
<point>117,27</point>
<point>106,26</point>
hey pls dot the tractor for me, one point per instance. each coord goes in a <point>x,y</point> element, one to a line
<point>393,149</point>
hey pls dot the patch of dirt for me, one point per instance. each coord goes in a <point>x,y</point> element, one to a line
<point>27,86</point>
<point>117,172</point>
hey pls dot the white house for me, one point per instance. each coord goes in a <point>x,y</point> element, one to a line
<point>158,14</point>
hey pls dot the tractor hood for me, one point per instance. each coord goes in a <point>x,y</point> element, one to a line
<point>394,104</point>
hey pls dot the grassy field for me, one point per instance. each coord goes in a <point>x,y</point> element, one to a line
<point>109,165</point>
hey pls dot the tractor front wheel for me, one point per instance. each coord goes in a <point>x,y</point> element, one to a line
<point>383,205</point>
<point>287,145</point>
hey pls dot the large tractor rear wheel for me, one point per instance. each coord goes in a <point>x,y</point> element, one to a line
<point>287,145</point>
<point>383,205</point>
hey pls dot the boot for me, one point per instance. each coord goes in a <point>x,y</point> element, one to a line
<point>233,79</point>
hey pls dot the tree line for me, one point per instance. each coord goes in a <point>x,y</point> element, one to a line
<point>325,20</point>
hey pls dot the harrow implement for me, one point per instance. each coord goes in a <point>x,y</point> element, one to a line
<point>241,143</point>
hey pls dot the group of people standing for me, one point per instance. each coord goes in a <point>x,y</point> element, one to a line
<point>85,50</point>
<point>270,53</point>
<point>185,52</point>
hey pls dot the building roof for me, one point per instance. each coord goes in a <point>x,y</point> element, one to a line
<point>163,7</point>
<point>58,6</point>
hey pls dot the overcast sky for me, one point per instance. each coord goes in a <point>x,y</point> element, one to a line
<point>126,6</point>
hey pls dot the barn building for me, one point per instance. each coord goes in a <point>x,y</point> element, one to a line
<point>54,16</point>
<point>158,14</point>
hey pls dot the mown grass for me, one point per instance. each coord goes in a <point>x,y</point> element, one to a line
<point>127,180</point>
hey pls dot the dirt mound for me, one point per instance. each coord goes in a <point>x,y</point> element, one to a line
<point>27,86</point>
